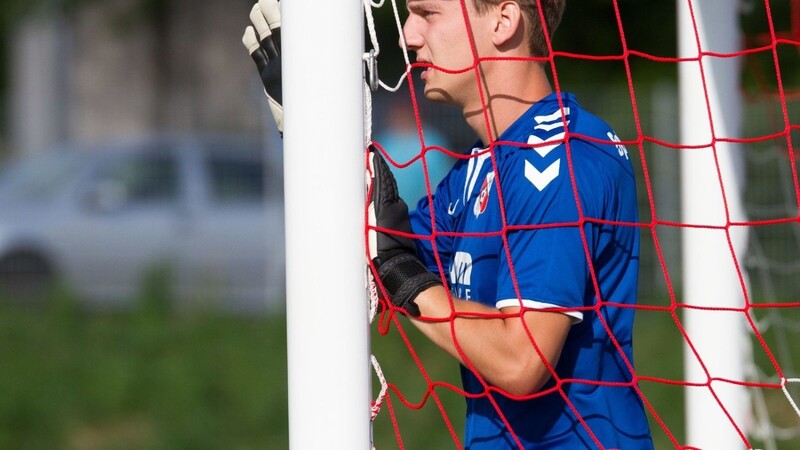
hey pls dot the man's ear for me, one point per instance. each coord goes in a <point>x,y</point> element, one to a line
<point>509,25</point>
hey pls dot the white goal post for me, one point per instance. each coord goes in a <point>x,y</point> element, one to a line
<point>327,322</point>
<point>709,99</point>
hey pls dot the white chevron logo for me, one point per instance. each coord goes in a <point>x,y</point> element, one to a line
<point>541,179</point>
<point>543,150</point>
<point>552,121</point>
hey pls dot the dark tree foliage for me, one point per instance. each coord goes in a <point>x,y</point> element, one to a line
<point>760,73</point>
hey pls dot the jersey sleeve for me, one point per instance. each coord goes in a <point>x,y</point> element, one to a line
<point>543,263</point>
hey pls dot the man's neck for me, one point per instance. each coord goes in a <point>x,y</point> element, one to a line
<point>506,99</point>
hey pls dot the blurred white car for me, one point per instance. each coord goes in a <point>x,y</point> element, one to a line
<point>209,209</point>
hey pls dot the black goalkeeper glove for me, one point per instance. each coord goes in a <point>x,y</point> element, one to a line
<point>401,273</point>
<point>263,41</point>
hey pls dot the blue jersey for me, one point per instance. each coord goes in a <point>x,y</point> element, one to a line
<point>510,232</point>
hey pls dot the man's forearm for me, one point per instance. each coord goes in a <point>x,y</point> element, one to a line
<point>498,345</point>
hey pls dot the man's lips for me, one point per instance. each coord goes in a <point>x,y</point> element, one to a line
<point>427,68</point>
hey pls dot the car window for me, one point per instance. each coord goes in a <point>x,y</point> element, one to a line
<point>235,180</point>
<point>39,178</point>
<point>139,180</point>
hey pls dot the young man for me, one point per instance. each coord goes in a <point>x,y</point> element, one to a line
<point>536,232</point>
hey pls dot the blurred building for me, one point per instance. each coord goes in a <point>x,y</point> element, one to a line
<point>128,67</point>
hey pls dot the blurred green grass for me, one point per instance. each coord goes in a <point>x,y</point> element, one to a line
<point>152,378</point>
<point>146,378</point>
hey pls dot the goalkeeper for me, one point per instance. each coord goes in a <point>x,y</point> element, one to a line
<point>535,230</point>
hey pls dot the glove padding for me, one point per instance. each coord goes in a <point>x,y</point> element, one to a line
<point>263,41</point>
<point>401,273</point>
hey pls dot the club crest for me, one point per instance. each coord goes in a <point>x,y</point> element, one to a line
<point>483,196</point>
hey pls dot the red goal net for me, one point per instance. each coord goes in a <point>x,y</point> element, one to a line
<point>622,61</point>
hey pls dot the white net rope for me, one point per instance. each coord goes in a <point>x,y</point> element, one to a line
<point>770,266</point>
<point>372,83</point>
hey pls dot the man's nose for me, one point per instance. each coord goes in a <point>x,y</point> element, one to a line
<point>411,37</point>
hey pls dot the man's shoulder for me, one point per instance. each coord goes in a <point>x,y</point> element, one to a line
<point>549,126</point>
<point>549,122</point>
<point>553,139</point>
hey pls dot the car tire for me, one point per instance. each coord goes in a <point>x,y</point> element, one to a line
<point>25,277</point>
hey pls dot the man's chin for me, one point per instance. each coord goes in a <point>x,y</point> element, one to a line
<point>437,95</point>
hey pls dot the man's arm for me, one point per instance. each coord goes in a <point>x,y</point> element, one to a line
<point>500,348</point>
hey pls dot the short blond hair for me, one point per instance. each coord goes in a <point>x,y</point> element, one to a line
<point>552,12</point>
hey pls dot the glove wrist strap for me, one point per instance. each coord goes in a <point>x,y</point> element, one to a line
<point>404,277</point>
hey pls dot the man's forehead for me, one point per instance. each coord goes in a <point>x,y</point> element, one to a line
<point>409,3</point>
